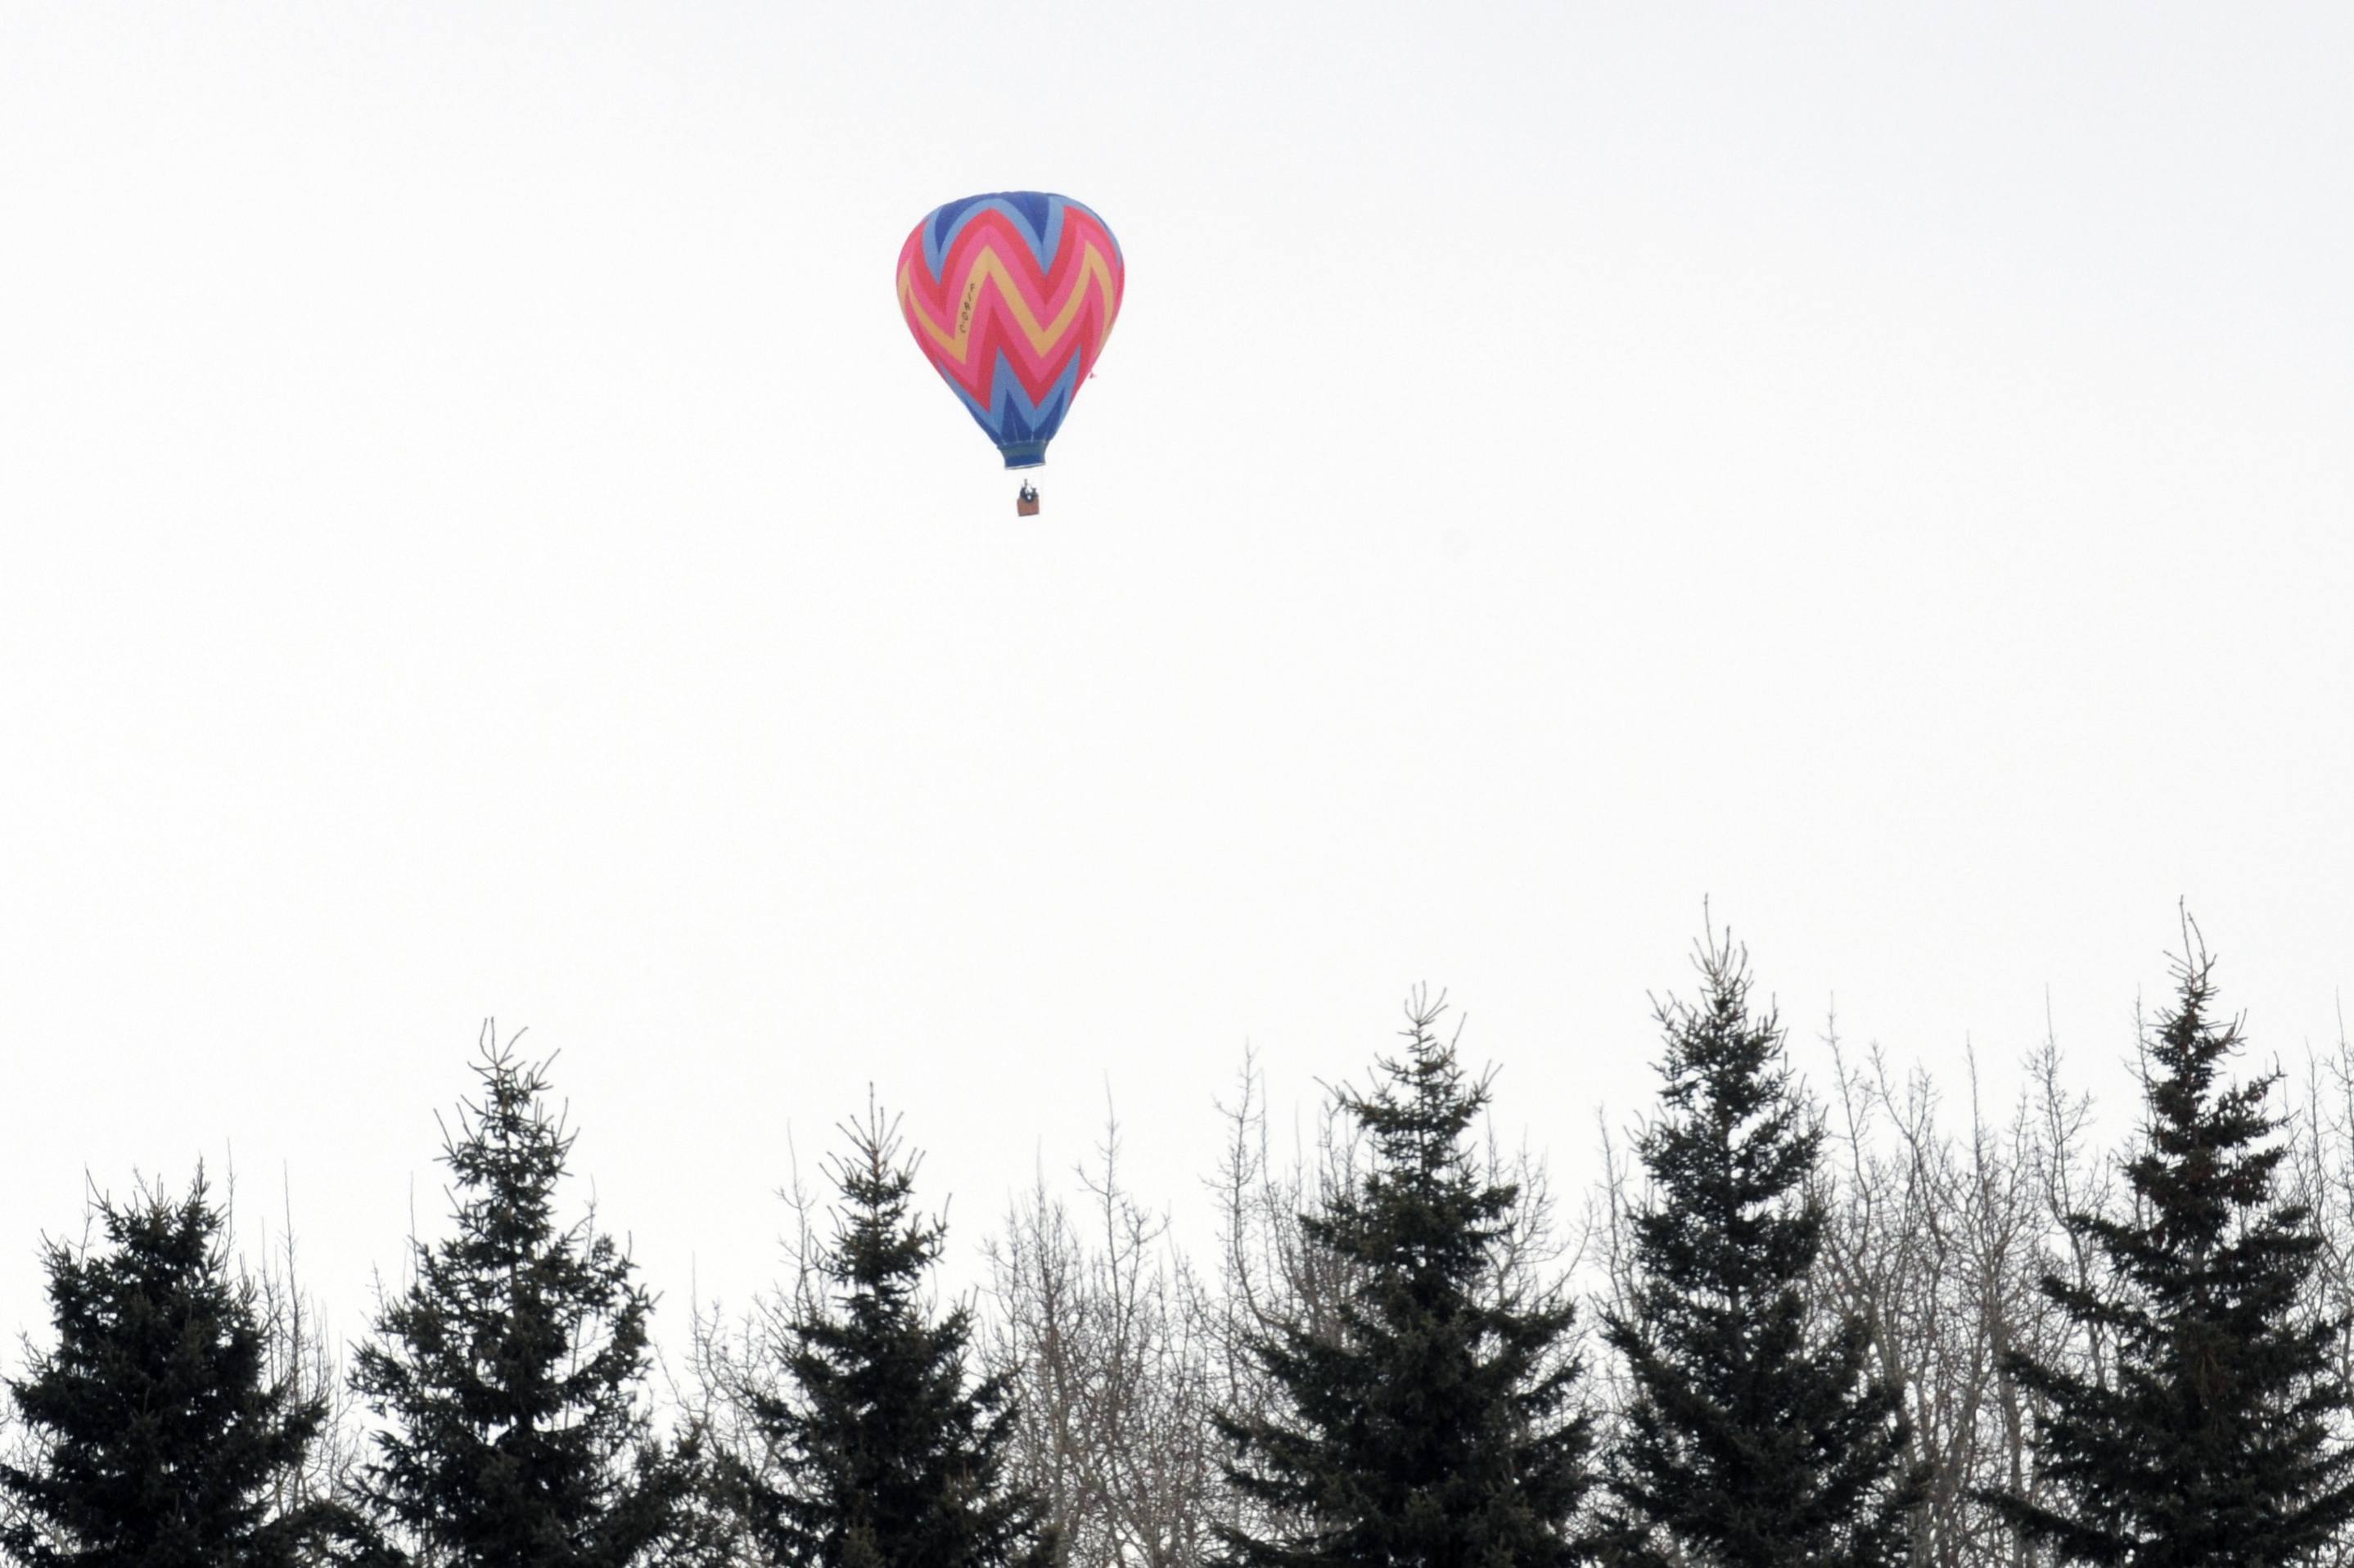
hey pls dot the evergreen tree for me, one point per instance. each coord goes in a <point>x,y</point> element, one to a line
<point>1435,1423</point>
<point>509,1374</point>
<point>886,1452</point>
<point>2208,1442</point>
<point>159,1440</point>
<point>1756,1438</point>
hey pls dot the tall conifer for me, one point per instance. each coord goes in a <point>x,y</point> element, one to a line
<point>511,1373</point>
<point>1439,1426</point>
<point>1756,1438</point>
<point>887,1451</point>
<point>2213,1438</point>
<point>159,1440</point>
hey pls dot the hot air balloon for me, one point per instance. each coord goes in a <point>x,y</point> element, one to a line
<point>1010,297</point>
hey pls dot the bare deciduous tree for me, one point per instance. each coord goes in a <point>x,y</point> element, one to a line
<point>1106,1332</point>
<point>1938,1239</point>
<point>303,1355</point>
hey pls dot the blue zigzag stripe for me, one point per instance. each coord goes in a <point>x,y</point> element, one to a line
<point>1020,428</point>
<point>1038,214</point>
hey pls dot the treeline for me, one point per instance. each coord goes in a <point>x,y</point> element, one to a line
<point>1884,1325</point>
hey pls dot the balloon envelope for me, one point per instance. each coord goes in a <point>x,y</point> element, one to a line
<point>1011,296</point>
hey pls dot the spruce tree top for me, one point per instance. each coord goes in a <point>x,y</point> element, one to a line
<point>1734,1152</point>
<point>891,1453</point>
<point>160,1439</point>
<point>1756,1437</point>
<point>2215,1440</point>
<point>1437,1423</point>
<point>511,1373</point>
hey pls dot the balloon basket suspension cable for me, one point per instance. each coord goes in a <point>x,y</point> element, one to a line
<point>1025,504</point>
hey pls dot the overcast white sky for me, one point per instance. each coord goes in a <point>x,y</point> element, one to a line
<point>475,538</point>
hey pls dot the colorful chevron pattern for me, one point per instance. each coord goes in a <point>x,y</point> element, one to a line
<point>1010,297</point>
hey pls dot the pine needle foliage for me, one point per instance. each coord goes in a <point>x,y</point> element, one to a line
<point>1755,1436</point>
<point>2204,1437</point>
<point>160,1441</point>
<point>510,1375</point>
<point>885,1450</point>
<point>1436,1424</point>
